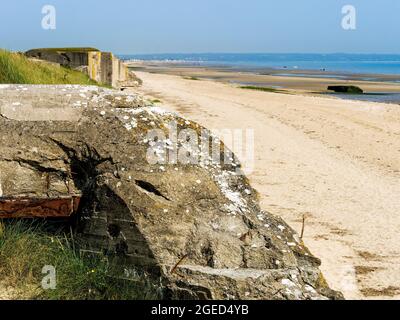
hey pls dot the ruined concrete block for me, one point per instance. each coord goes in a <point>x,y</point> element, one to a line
<point>102,67</point>
<point>192,225</point>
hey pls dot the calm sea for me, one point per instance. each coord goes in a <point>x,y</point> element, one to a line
<point>343,63</point>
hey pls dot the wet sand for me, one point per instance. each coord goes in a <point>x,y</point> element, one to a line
<point>334,161</point>
<point>299,81</point>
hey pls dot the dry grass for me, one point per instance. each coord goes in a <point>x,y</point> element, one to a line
<point>368,256</point>
<point>384,292</point>
<point>363,270</point>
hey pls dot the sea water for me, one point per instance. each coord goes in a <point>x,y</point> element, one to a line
<point>338,62</point>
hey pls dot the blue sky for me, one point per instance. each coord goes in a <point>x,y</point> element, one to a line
<point>185,26</point>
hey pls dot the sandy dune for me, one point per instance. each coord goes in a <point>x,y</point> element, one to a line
<point>335,161</point>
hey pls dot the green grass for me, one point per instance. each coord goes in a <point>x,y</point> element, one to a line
<point>26,247</point>
<point>16,68</point>
<point>265,89</point>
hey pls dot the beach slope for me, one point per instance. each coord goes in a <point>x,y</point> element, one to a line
<point>332,161</point>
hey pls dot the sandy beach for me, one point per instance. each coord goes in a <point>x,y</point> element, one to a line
<point>334,161</point>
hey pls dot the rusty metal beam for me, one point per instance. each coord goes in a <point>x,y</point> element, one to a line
<point>30,207</point>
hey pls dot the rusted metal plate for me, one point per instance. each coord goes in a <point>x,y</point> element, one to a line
<point>29,207</point>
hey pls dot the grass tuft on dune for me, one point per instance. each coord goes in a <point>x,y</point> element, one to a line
<point>17,68</point>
